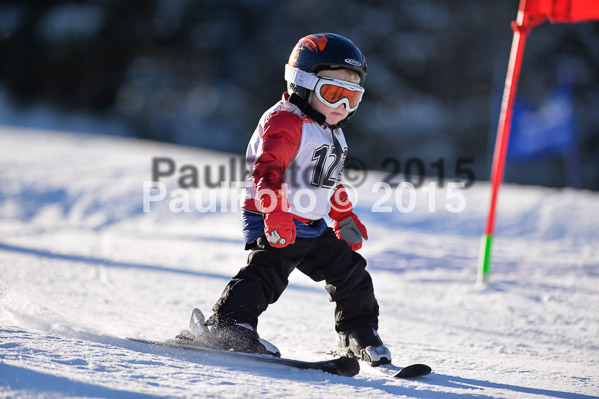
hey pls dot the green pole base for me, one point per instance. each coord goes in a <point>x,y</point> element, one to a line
<point>484,259</point>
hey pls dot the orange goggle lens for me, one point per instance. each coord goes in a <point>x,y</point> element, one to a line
<point>332,94</point>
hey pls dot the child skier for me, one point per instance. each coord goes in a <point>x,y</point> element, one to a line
<point>295,158</point>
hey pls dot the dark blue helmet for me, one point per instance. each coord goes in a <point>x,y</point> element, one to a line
<point>318,52</point>
<point>321,51</point>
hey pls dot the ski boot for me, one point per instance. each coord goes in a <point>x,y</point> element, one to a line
<point>239,337</point>
<point>364,344</point>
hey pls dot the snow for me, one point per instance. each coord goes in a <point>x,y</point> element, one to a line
<point>82,267</point>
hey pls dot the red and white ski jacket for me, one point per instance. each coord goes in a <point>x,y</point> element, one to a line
<point>289,150</point>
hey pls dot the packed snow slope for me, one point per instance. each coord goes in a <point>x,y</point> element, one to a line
<point>82,267</point>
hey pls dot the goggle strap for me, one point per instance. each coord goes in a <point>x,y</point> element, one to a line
<point>300,78</point>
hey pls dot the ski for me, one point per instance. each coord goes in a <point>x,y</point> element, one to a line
<point>411,371</point>
<point>340,366</point>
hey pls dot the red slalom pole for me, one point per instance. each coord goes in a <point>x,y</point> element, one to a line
<point>530,14</point>
<point>521,28</point>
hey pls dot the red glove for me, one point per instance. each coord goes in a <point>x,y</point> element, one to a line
<point>278,223</point>
<point>346,224</point>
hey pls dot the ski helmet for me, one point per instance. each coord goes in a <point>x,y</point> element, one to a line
<point>315,53</point>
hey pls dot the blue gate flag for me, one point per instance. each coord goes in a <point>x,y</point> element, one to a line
<point>546,130</point>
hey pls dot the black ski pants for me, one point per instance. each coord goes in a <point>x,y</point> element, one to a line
<point>327,258</point>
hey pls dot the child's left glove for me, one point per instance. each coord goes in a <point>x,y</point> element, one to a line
<point>346,224</point>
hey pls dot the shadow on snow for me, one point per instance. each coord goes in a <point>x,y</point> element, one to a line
<point>125,265</point>
<point>20,378</point>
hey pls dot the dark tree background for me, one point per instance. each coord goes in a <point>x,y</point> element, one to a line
<point>201,72</point>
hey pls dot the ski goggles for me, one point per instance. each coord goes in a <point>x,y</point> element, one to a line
<point>334,92</point>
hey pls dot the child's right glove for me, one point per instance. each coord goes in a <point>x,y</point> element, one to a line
<point>346,224</point>
<point>278,224</point>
